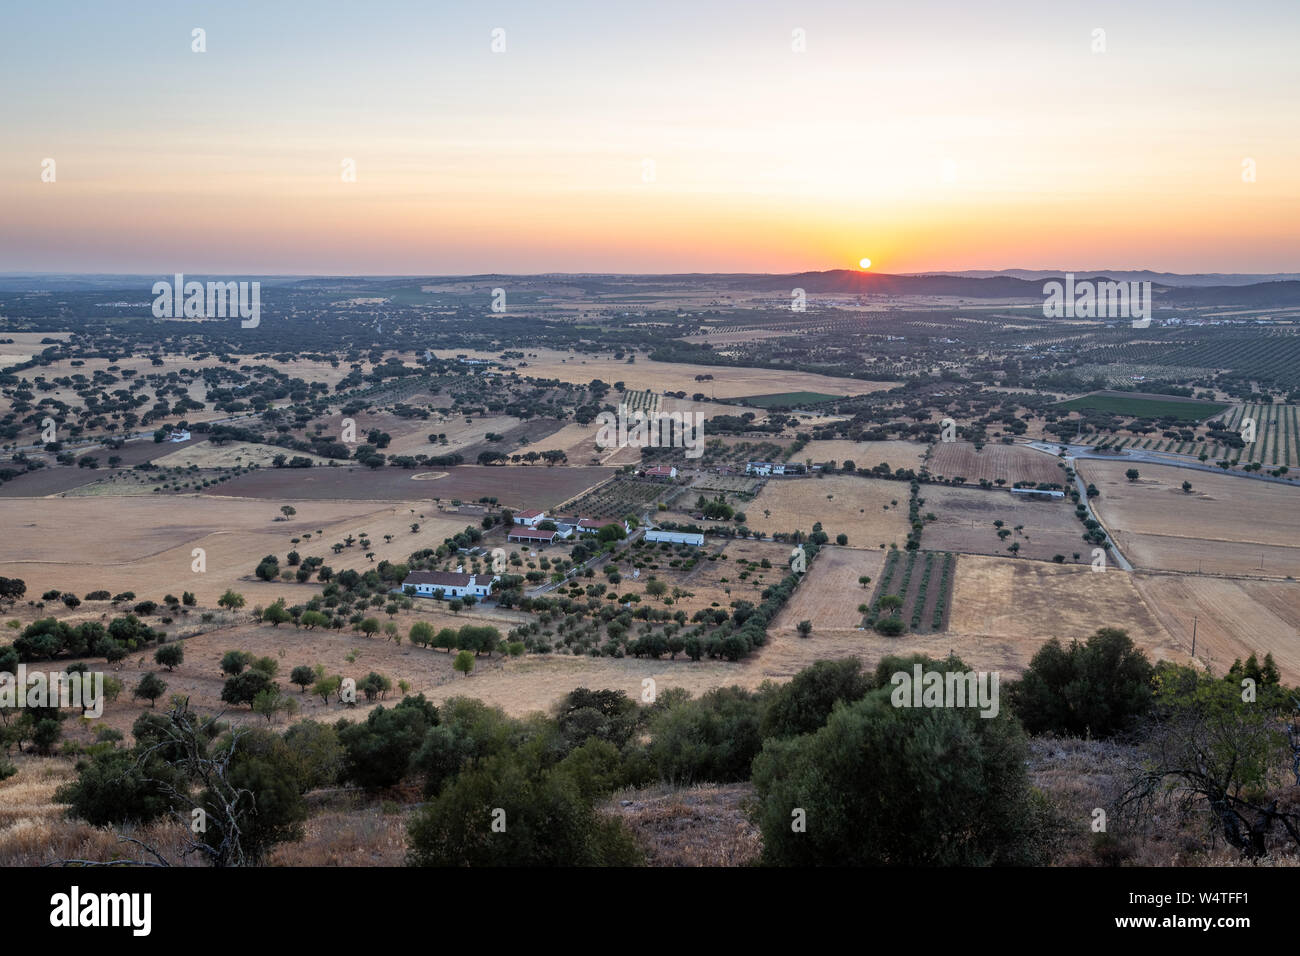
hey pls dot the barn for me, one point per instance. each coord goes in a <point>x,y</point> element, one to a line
<point>676,537</point>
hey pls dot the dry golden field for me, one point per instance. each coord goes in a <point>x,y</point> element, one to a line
<point>675,376</point>
<point>1004,609</point>
<point>1233,618</point>
<point>1227,525</point>
<point>145,544</point>
<point>830,595</point>
<point>866,454</point>
<point>1011,463</point>
<point>845,504</point>
<point>204,454</point>
<point>965,516</point>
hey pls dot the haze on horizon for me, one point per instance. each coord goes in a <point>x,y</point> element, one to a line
<point>939,137</point>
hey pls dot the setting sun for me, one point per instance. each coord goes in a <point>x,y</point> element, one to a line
<point>864,263</point>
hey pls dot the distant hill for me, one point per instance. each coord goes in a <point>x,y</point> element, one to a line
<point>1168,290</point>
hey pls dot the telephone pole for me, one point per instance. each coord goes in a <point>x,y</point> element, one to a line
<point>1194,635</point>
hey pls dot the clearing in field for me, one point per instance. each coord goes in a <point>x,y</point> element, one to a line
<point>862,508</point>
<point>1228,524</point>
<point>965,522</point>
<point>1232,619</point>
<point>1003,465</point>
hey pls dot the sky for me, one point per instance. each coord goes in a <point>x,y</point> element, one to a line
<point>672,136</point>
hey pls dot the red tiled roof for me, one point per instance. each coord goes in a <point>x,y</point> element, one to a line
<point>438,579</point>
<point>532,533</point>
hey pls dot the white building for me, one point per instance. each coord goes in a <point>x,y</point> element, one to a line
<point>676,537</point>
<point>179,435</point>
<point>452,584</point>
<point>765,468</point>
<point>529,518</point>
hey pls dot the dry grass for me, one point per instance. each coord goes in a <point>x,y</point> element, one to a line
<point>34,830</point>
<point>1227,525</point>
<point>1234,618</point>
<point>1004,609</point>
<point>858,507</point>
<point>145,545</point>
<point>698,826</point>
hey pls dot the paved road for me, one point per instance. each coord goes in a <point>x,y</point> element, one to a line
<point>1130,455</point>
<point>1122,561</point>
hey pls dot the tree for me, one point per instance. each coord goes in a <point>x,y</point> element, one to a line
<point>169,656</point>
<point>369,626</point>
<point>1131,474</point>
<point>1097,688</point>
<point>288,510</point>
<point>313,619</point>
<point>803,705</point>
<point>421,633</point>
<point>231,601</point>
<point>325,687</point>
<point>244,688</point>
<point>464,662</point>
<point>277,614</point>
<point>233,662</point>
<point>269,701</point>
<point>151,687</point>
<point>378,751</point>
<point>974,807</point>
<point>1210,753</point>
<point>551,821</point>
<point>1187,487</point>
<point>302,675</point>
<point>805,628</point>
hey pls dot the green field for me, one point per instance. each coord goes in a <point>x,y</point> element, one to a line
<point>1143,407</point>
<point>788,399</point>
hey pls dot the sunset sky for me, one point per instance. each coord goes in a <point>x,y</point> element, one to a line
<point>925,135</point>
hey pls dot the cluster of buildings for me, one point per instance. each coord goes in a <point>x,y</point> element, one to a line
<point>526,530</point>
<point>774,468</point>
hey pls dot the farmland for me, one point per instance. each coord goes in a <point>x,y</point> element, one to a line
<point>866,454</point>
<point>862,508</point>
<point>1143,406</point>
<point>921,582</point>
<point>1003,611</point>
<point>1040,529</point>
<point>787,399</point>
<point>536,486</point>
<point>714,381</point>
<point>996,463</point>
<point>1226,525</point>
<point>1232,618</point>
<point>831,593</point>
<point>622,496</point>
